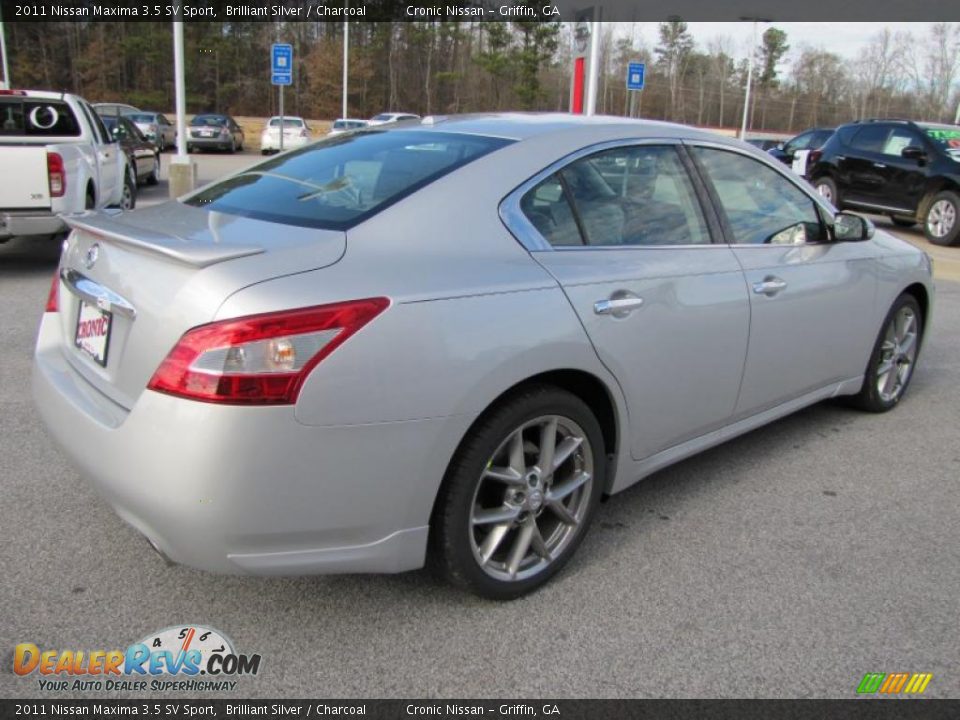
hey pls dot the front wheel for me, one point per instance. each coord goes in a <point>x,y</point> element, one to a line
<point>942,222</point>
<point>894,357</point>
<point>520,494</point>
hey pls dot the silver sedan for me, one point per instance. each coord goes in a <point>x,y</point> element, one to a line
<point>449,340</point>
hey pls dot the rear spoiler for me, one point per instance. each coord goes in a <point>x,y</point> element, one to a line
<point>159,243</point>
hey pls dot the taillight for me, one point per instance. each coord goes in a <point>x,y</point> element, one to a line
<point>53,297</point>
<point>259,359</point>
<point>814,157</point>
<point>56,174</point>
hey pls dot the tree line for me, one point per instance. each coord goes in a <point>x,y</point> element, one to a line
<point>441,67</point>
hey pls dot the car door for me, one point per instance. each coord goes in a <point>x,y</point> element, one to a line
<point>623,231</point>
<point>166,128</point>
<point>110,160</point>
<point>811,299</point>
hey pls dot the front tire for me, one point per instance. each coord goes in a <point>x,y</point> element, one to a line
<point>520,493</point>
<point>942,222</point>
<point>893,359</point>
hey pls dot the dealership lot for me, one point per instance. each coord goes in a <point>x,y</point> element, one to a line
<point>788,562</point>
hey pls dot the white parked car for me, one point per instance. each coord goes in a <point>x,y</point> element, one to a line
<point>296,133</point>
<point>56,158</point>
<point>342,125</point>
<point>392,117</point>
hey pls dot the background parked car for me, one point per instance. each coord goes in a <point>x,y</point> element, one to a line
<point>390,117</point>
<point>213,131</point>
<point>811,139</point>
<point>156,128</point>
<point>763,143</point>
<point>909,171</point>
<point>142,155</point>
<point>56,159</point>
<point>296,133</point>
<point>342,125</point>
<point>115,108</point>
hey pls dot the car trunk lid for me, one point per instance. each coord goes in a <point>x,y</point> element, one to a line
<point>153,285</point>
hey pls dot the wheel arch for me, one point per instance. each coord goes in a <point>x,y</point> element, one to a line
<point>580,383</point>
<point>932,190</point>
<point>922,296</point>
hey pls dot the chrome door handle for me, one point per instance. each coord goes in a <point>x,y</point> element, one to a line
<point>879,165</point>
<point>618,306</point>
<point>770,286</point>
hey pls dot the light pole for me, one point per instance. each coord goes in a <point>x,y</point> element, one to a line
<point>346,53</point>
<point>753,47</point>
<point>6,84</point>
<point>593,78</point>
<point>182,170</point>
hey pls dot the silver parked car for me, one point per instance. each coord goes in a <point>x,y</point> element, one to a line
<point>454,338</point>
<point>156,127</point>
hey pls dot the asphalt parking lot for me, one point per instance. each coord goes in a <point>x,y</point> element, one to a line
<point>786,563</point>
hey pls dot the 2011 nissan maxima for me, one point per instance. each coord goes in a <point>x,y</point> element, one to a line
<point>448,340</point>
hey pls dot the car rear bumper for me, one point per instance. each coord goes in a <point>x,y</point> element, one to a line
<point>247,490</point>
<point>30,222</point>
<point>273,143</point>
<point>218,143</point>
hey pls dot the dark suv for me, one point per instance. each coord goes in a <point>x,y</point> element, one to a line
<point>907,170</point>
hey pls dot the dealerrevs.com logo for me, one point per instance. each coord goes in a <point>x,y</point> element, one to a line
<point>186,658</point>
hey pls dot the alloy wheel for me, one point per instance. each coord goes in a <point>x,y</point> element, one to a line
<point>531,498</point>
<point>825,192</point>
<point>941,218</point>
<point>898,353</point>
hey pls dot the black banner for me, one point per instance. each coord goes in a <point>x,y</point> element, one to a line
<point>475,10</point>
<point>865,709</point>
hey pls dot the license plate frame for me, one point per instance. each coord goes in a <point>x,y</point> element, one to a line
<point>96,346</point>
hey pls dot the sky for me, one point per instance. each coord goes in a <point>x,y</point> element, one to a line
<point>844,38</point>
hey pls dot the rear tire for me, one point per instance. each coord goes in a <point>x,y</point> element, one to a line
<point>941,224</point>
<point>154,177</point>
<point>502,526</point>
<point>893,359</point>
<point>827,189</point>
<point>128,200</point>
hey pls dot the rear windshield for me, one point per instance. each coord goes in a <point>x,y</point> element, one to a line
<point>215,120</point>
<point>287,122</point>
<point>142,117</point>
<point>342,181</point>
<point>37,118</point>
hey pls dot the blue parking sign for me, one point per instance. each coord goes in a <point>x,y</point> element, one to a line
<point>281,64</point>
<point>635,75</point>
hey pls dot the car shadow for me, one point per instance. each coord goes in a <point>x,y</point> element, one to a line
<point>29,255</point>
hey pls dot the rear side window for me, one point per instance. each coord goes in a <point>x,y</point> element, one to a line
<point>633,195</point>
<point>870,138</point>
<point>37,118</point>
<point>342,181</point>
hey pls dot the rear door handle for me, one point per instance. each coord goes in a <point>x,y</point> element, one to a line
<point>770,286</point>
<point>618,305</point>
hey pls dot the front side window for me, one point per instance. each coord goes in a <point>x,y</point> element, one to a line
<point>341,181</point>
<point>899,139</point>
<point>761,205</point>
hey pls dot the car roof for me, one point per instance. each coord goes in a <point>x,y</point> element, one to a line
<point>520,126</point>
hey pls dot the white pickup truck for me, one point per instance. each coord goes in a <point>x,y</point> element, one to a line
<point>56,158</point>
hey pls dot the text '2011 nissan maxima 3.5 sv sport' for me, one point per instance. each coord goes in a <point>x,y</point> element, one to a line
<point>448,340</point>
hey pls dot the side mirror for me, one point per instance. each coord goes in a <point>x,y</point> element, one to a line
<point>913,152</point>
<point>851,228</point>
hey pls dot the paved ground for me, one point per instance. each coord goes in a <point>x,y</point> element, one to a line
<point>788,562</point>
